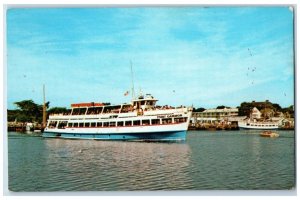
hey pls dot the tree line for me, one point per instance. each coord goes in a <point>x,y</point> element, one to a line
<point>246,107</point>
<point>29,111</point>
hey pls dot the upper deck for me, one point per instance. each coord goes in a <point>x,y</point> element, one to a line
<point>153,112</point>
<point>141,106</point>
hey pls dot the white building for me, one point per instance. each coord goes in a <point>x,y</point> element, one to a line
<point>255,114</point>
<point>214,115</point>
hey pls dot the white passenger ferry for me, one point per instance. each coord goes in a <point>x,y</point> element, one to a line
<point>258,125</point>
<point>139,120</point>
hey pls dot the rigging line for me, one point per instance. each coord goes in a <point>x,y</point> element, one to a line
<point>132,82</point>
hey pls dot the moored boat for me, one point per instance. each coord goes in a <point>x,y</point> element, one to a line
<point>139,120</point>
<point>258,125</point>
<point>269,134</point>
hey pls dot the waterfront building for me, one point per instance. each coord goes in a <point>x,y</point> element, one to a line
<point>212,116</point>
<point>255,113</point>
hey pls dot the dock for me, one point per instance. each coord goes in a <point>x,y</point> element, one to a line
<point>23,126</point>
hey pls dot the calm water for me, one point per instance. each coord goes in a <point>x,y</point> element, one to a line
<point>207,160</point>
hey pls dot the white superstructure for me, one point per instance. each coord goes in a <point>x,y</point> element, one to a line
<point>258,125</point>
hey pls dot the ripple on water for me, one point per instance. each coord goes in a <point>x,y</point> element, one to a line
<point>207,160</point>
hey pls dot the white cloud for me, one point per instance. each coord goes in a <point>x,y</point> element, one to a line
<point>206,69</point>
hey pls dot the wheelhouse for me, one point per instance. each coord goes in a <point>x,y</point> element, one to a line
<point>144,103</point>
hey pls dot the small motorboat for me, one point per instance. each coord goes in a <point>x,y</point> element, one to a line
<point>269,134</point>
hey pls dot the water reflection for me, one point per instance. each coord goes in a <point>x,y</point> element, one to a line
<point>110,165</point>
<point>207,161</point>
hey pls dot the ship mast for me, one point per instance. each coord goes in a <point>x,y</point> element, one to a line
<point>44,108</point>
<point>132,89</point>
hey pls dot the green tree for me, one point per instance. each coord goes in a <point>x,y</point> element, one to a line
<point>289,110</point>
<point>28,111</point>
<point>13,115</point>
<point>245,109</point>
<point>276,107</point>
<point>198,109</point>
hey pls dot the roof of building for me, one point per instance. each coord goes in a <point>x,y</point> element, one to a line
<point>222,110</point>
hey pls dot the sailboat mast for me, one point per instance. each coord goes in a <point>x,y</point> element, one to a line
<point>44,108</point>
<point>132,92</point>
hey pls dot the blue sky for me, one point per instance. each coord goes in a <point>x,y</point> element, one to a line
<point>200,56</point>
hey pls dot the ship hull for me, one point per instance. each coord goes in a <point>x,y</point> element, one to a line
<point>153,136</point>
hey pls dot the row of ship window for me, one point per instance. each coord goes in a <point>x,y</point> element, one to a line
<point>63,124</point>
<point>263,125</point>
<point>98,110</point>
